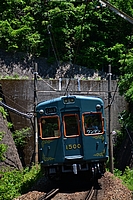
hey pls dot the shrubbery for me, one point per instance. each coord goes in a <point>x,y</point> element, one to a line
<point>3,147</point>
<point>17,182</point>
<point>126,177</point>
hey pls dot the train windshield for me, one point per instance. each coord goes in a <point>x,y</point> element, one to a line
<point>93,123</point>
<point>49,127</point>
<point>71,125</point>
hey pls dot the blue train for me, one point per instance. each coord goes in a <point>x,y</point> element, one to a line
<point>72,135</point>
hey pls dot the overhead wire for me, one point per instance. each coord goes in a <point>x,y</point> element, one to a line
<point>114,94</point>
<point>47,83</point>
<point>54,46</point>
<point>12,101</point>
<point>77,46</point>
<point>55,50</point>
<point>26,115</point>
<point>51,41</point>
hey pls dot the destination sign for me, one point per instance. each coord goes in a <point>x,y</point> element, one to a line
<point>51,110</point>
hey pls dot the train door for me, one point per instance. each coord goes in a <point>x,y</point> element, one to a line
<point>94,136</point>
<point>50,143</point>
<point>72,136</point>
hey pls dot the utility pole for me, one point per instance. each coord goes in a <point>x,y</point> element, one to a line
<point>35,116</point>
<point>109,123</point>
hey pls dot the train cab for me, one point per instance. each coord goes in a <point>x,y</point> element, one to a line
<point>72,134</point>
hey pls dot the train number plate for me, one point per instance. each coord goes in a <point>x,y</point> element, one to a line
<point>73,146</point>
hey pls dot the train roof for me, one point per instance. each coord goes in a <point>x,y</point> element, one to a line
<point>74,96</point>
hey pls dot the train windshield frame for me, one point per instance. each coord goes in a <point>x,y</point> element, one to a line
<point>49,127</point>
<point>93,123</point>
<point>71,125</point>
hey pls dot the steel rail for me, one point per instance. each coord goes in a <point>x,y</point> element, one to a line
<point>90,194</point>
<point>49,194</point>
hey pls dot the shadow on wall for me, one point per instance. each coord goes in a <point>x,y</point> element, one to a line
<point>22,65</point>
<point>123,155</point>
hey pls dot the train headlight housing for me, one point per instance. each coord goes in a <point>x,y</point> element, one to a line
<point>98,107</point>
<point>69,100</point>
<point>41,111</point>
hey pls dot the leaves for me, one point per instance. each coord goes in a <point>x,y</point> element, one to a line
<point>20,136</point>
<point>80,32</point>
<point>15,182</point>
<point>3,147</point>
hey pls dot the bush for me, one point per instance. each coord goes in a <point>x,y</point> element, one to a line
<point>15,183</point>
<point>3,148</point>
<point>20,136</point>
<point>126,177</point>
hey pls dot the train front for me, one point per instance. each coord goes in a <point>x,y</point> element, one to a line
<point>72,135</point>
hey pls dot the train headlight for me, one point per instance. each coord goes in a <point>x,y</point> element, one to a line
<point>65,100</point>
<point>41,111</point>
<point>98,107</point>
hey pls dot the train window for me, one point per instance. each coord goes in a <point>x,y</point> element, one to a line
<point>49,127</point>
<point>93,123</point>
<point>71,125</point>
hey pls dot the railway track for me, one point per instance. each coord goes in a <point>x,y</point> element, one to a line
<point>70,188</point>
<point>54,192</point>
<point>49,195</point>
<point>90,194</point>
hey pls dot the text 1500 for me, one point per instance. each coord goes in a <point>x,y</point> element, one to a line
<point>73,146</point>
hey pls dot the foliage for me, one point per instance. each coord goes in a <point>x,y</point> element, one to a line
<point>3,112</point>
<point>126,79</point>
<point>126,177</point>
<point>15,183</point>
<point>120,135</point>
<point>75,30</point>
<point>3,147</point>
<point>9,125</point>
<point>20,136</point>
<point>126,119</point>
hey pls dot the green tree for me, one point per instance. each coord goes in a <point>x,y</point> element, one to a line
<point>80,32</point>
<point>126,79</point>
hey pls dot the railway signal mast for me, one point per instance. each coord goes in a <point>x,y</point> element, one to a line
<point>126,17</point>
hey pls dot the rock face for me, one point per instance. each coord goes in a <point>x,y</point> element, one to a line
<point>22,65</point>
<point>12,158</point>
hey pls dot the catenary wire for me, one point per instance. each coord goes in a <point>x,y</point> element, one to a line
<point>55,47</point>
<point>29,116</point>
<point>77,46</point>
<point>47,83</point>
<point>13,101</point>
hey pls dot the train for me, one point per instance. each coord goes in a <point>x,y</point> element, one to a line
<point>72,136</point>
